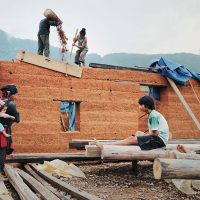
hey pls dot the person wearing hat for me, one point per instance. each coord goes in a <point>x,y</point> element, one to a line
<point>83,47</point>
<point>6,147</point>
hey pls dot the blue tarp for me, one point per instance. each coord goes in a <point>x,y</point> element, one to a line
<point>175,71</point>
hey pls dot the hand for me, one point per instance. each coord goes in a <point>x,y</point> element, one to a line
<point>12,117</point>
<point>60,22</point>
<point>6,135</point>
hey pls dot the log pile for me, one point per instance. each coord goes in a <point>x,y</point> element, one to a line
<point>37,185</point>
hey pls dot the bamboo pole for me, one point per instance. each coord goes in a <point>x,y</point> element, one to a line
<point>70,55</point>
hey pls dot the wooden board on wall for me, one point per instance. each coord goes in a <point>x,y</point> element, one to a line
<point>48,63</point>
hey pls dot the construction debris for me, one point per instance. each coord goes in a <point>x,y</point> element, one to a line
<point>60,168</point>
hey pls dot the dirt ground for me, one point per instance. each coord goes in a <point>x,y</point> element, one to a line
<point>116,181</point>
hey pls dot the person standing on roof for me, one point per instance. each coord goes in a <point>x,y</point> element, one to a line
<point>83,47</point>
<point>43,35</point>
<point>6,147</point>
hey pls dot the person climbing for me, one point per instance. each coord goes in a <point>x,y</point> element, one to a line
<point>6,146</point>
<point>83,47</point>
<point>158,134</point>
<point>43,35</point>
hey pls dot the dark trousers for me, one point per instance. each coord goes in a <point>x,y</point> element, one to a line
<point>80,56</point>
<point>43,45</point>
<point>2,157</point>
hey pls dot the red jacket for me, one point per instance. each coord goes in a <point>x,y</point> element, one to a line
<point>3,140</point>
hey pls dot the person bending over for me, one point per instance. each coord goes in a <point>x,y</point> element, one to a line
<point>82,47</point>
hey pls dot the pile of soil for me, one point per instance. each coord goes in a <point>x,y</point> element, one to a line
<point>117,181</point>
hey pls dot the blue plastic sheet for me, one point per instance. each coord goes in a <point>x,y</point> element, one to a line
<point>175,71</point>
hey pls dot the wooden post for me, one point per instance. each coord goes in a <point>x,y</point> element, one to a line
<point>186,106</point>
<point>176,169</point>
<point>135,167</point>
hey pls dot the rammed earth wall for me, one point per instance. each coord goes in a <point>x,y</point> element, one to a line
<point>108,108</point>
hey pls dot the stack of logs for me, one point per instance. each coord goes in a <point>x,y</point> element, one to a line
<point>168,162</point>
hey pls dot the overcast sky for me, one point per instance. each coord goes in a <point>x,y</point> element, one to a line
<point>113,26</point>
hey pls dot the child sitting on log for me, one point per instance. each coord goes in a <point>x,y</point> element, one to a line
<point>158,134</point>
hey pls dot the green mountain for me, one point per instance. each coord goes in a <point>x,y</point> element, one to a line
<point>9,45</point>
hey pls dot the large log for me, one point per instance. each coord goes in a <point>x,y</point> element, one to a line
<point>176,169</point>
<point>133,152</point>
<point>116,152</point>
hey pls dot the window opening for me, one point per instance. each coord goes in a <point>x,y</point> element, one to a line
<point>154,92</point>
<point>69,115</point>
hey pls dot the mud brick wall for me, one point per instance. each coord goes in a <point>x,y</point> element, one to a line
<point>108,108</point>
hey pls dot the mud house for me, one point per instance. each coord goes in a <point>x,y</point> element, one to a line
<point>105,102</point>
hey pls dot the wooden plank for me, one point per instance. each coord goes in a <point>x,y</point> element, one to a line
<point>44,183</point>
<point>74,192</point>
<point>4,194</point>
<point>22,189</point>
<point>36,186</point>
<point>186,106</point>
<point>176,169</point>
<point>133,68</point>
<point>48,63</point>
<point>80,144</point>
<point>48,157</point>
